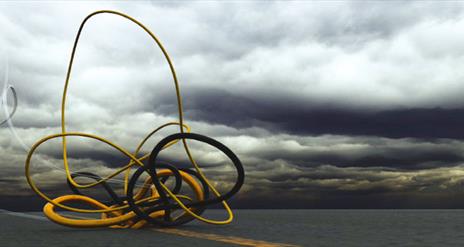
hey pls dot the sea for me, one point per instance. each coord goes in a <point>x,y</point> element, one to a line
<point>255,228</point>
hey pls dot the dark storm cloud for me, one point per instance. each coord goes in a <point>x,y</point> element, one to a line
<point>291,116</point>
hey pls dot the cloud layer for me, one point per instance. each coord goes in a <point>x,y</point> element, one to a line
<point>343,104</point>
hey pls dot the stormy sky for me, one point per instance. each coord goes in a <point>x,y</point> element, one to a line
<point>327,104</point>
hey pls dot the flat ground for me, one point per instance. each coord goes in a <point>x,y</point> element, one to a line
<point>268,228</point>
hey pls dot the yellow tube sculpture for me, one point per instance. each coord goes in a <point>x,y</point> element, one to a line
<point>153,203</point>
